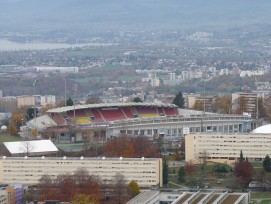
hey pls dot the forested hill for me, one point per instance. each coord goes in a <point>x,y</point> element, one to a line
<point>104,15</point>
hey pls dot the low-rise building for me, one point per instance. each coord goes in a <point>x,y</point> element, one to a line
<point>154,197</point>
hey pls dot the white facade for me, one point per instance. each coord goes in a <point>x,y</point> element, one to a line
<point>147,172</point>
<point>58,69</point>
<point>223,148</point>
<point>47,99</point>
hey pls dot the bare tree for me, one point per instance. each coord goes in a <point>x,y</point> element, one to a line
<point>202,159</point>
<point>27,147</point>
<point>120,188</point>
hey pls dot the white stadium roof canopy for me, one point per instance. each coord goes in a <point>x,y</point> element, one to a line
<point>265,129</point>
<point>104,105</point>
<point>34,146</point>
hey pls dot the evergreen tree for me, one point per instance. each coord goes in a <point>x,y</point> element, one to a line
<point>241,159</point>
<point>31,113</point>
<point>267,163</point>
<point>69,102</point>
<point>137,100</point>
<point>179,100</point>
<point>165,173</point>
<point>181,174</point>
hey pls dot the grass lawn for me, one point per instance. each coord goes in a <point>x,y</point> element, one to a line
<point>6,138</point>
<point>260,195</point>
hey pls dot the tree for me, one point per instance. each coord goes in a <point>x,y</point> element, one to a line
<point>165,172</point>
<point>120,188</point>
<point>133,189</point>
<point>137,100</point>
<point>12,128</point>
<point>223,104</point>
<point>241,158</point>
<point>84,199</point>
<point>267,163</point>
<point>190,169</point>
<point>244,172</point>
<point>69,102</point>
<point>94,100</point>
<point>181,174</point>
<point>31,113</point>
<point>125,146</point>
<point>179,100</point>
<point>27,147</point>
<point>202,159</point>
<point>65,187</point>
<point>46,188</point>
<point>198,105</point>
<point>160,143</point>
<point>46,108</point>
<point>78,187</point>
<point>243,103</point>
<point>34,132</point>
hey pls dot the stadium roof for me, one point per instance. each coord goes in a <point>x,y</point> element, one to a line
<point>103,105</point>
<point>31,146</point>
<point>265,129</point>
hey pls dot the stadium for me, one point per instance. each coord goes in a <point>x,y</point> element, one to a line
<point>104,121</point>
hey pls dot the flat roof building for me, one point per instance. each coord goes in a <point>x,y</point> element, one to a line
<point>208,197</point>
<point>225,148</point>
<point>147,172</point>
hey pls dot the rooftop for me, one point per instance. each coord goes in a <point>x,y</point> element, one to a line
<point>103,105</point>
<point>31,146</point>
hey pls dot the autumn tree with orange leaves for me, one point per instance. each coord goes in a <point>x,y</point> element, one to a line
<point>189,169</point>
<point>66,187</point>
<point>125,146</point>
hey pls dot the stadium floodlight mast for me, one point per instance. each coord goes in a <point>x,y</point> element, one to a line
<point>65,92</point>
<point>34,85</point>
<point>74,89</point>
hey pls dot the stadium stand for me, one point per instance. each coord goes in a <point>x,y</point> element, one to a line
<point>147,112</point>
<point>134,112</point>
<point>111,114</point>
<point>96,115</point>
<point>127,112</point>
<point>83,120</point>
<point>170,111</point>
<point>58,119</point>
<point>161,111</point>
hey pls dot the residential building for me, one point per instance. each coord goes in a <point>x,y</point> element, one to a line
<point>226,148</point>
<point>246,102</point>
<point>25,101</point>
<point>3,196</point>
<point>147,172</point>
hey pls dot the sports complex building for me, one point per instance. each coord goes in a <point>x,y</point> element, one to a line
<point>104,121</point>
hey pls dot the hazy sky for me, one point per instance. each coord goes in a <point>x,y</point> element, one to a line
<point>47,15</point>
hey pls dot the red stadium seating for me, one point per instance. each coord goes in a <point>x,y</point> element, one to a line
<point>170,111</point>
<point>161,111</point>
<point>127,112</point>
<point>58,119</point>
<point>111,114</point>
<point>96,116</point>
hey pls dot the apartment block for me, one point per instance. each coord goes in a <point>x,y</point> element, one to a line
<point>225,148</point>
<point>147,172</point>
